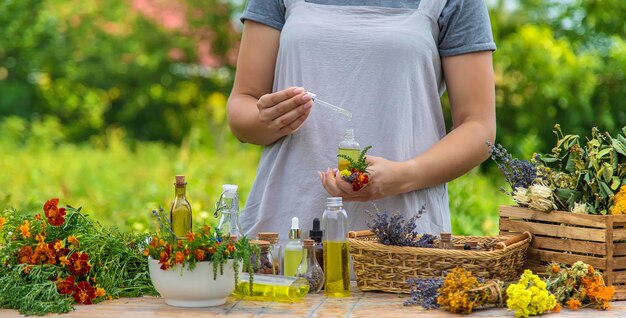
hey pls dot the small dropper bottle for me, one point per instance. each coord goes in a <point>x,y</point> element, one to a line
<point>293,249</point>
<point>316,235</point>
<point>348,147</point>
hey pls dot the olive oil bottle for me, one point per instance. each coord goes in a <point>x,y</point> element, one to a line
<point>348,147</point>
<point>180,211</point>
<point>336,256</point>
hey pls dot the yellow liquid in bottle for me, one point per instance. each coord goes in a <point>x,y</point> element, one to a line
<point>181,218</point>
<point>269,292</point>
<point>292,260</point>
<point>342,163</point>
<point>337,269</point>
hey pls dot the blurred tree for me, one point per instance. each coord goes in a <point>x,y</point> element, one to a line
<point>152,67</point>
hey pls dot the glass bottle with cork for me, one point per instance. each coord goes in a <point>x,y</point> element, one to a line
<point>228,206</point>
<point>445,240</point>
<point>180,210</point>
<point>336,254</point>
<point>293,249</point>
<point>349,147</point>
<point>275,249</point>
<point>309,268</point>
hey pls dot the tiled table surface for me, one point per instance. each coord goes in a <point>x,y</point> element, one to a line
<point>359,304</point>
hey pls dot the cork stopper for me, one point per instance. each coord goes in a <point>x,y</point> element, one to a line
<point>180,180</point>
<point>308,243</point>
<point>445,236</point>
<point>271,237</point>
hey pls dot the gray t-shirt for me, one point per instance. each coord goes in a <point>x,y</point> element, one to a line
<point>381,61</point>
<point>464,24</point>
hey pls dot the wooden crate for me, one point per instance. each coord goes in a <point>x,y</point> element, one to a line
<point>565,237</point>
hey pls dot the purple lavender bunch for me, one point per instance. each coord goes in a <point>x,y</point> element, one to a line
<point>395,230</point>
<point>518,173</point>
<point>424,292</point>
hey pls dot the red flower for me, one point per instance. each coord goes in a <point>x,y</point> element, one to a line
<point>65,286</point>
<point>179,258</point>
<point>54,214</point>
<point>199,254</point>
<point>79,264</point>
<point>84,293</point>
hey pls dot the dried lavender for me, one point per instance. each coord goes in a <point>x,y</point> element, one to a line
<point>395,230</point>
<point>518,173</point>
<point>424,292</point>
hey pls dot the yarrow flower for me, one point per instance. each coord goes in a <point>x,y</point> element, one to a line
<point>529,297</point>
<point>619,201</point>
<point>580,208</point>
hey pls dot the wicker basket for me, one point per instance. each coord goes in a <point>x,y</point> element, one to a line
<point>386,268</point>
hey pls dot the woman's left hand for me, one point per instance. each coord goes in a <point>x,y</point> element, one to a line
<point>386,178</point>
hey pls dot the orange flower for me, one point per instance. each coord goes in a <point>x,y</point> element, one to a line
<point>38,217</point>
<point>24,229</point>
<point>230,248</point>
<point>41,237</point>
<point>179,258</point>
<point>65,286</point>
<point>58,246</point>
<point>54,214</point>
<point>100,292</point>
<point>190,237</point>
<point>573,304</point>
<point>2,222</point>
<point>64,261</point>
<point>24,256</point>
<point>555,268</point>
<point>79,264</point>
<point>73,240</point>
<point>84,293</point>
<point>199,254</point>
<point>557,307</point>
<point>597,292</point>
<point>146,251</point>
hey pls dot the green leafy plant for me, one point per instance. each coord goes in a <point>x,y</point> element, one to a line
<point>205,245</point>
<point>49,263</point>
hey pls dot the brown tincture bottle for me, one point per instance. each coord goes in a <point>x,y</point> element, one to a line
<point>180,212</point>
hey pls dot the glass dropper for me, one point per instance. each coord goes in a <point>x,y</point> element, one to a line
<point>338,109</point>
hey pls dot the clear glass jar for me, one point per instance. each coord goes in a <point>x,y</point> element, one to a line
<point>275,250</point>
<point>310,269</point>
<point>228,206</point>
<point>336,252</point>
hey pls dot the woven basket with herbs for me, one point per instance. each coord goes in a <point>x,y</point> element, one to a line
<point>380,267</point>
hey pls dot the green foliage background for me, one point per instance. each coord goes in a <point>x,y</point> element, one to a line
<point>102,103</point>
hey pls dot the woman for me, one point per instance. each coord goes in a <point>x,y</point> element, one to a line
<point>388,63</point>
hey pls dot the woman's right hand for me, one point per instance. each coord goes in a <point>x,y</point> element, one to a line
<point>285,111</point>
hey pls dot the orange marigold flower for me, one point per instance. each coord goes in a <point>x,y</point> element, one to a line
<point>557,307</point>
<point>54,214</point>
<point>146,251</point>
<point>84,293</point>
<point>573,304</point>
<point>41,237</point>
<point>79,264</point>
<point>190,237</point>
<point>199,254</point>
<point>3,221</point>
<point>38,217</point>
<point>230,248</point>
<point>555,268</point>
<point>100,292</point>
<point>65,286</point>
<point>24,229</point>
<point>206,229</point>
<point>64,261</point>
<point>73,240</point>
<point>58,245</point>
<point>179,258</point>
<point>24,256</point>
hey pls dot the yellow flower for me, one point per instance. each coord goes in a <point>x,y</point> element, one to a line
<point>73,240</point>
<point>24,229</point>
<point>619,202</point>
<point>345,173</point>
<point>100,292</point>
<point>64,261</point>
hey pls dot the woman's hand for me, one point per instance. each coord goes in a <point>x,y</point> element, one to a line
<point>386,178</point>
<point>285,111</point>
